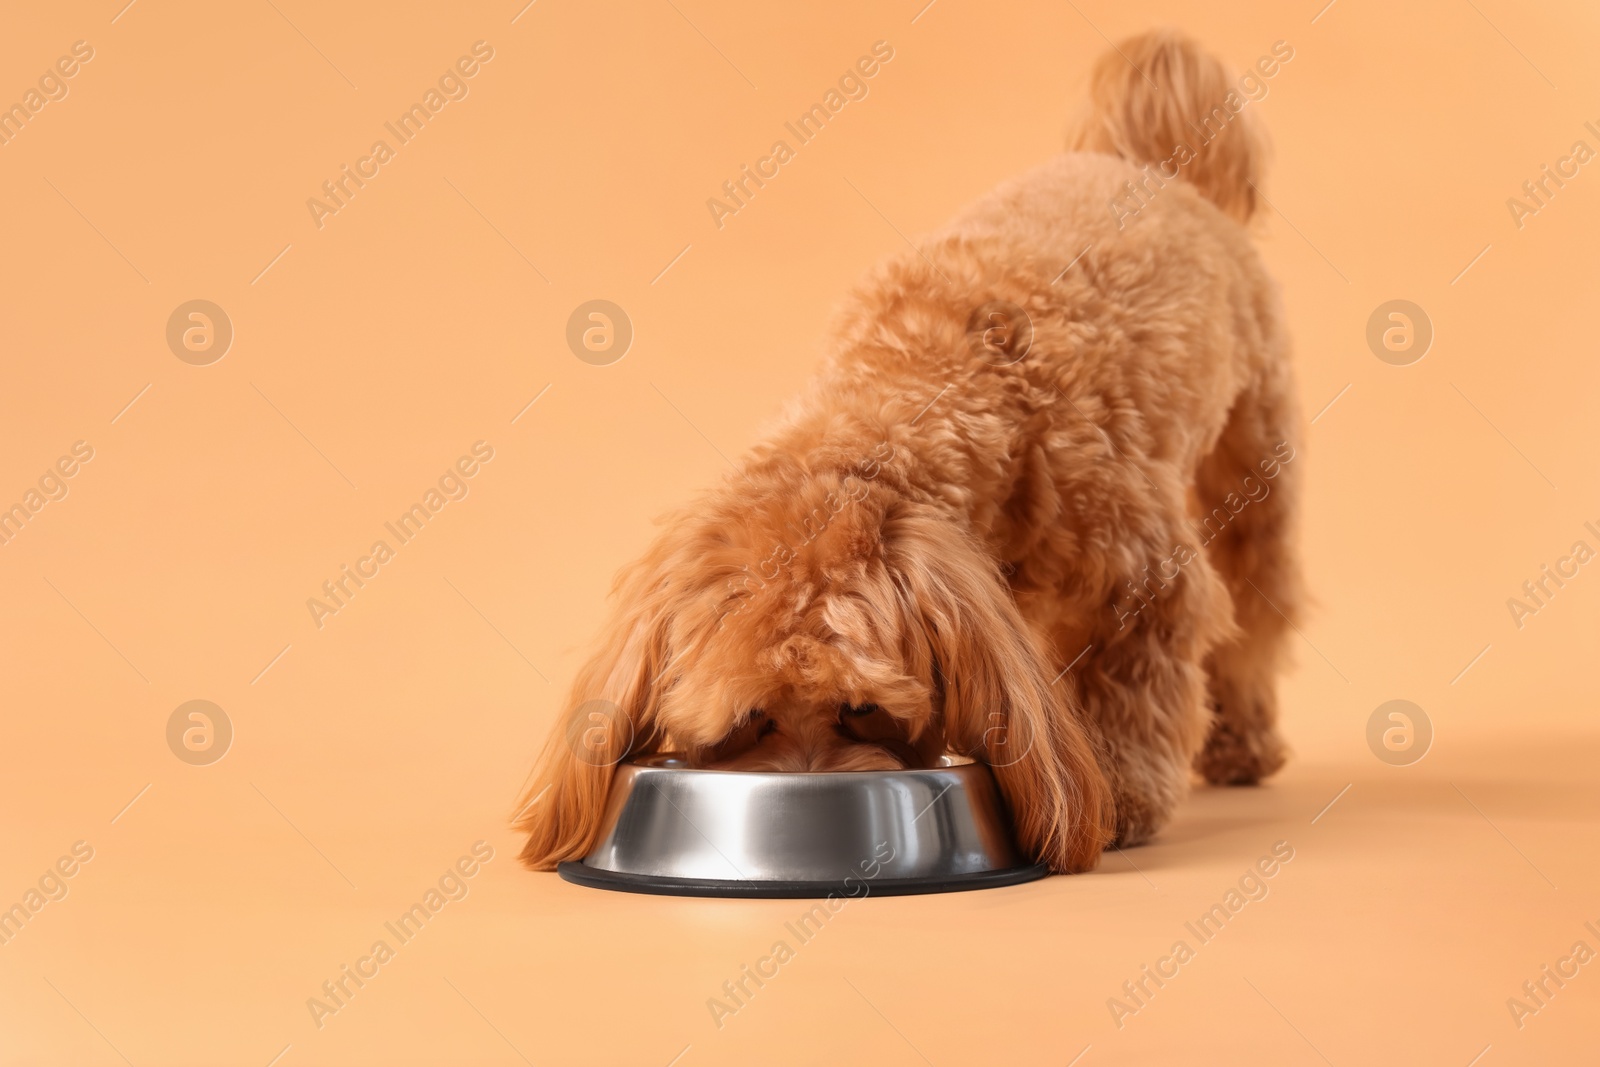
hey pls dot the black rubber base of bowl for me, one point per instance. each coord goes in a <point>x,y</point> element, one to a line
<point>595,878</point>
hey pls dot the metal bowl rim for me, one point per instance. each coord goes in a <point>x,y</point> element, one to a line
<point>951,764</point>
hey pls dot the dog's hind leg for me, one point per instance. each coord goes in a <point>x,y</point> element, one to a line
<point>1247,496</point>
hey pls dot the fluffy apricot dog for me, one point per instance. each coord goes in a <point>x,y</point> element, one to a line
<point>1036,509</point>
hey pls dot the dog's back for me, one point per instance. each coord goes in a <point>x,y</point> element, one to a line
<point>1148,206</point>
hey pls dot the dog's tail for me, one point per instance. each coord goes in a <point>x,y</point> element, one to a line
<point>1158,98</point>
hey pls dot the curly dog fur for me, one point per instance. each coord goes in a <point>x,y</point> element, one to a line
<point>1021,514</point>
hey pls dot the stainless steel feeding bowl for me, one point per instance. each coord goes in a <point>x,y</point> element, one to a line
<point>669,829</point>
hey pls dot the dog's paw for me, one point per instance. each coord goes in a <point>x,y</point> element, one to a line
<point>1139,814</point>
<point>1231,757</point>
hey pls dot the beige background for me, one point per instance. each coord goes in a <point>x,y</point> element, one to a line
<point>369,354</point>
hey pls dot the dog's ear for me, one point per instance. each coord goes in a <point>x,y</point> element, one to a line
<point>610,715</point>
<point>999,705</point>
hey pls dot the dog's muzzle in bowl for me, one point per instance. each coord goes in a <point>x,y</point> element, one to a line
<point>669,829</point>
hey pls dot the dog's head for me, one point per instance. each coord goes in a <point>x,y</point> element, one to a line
<point>820,624</point>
